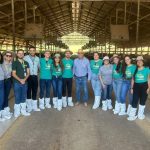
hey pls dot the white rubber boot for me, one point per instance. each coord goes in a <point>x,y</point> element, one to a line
<point>70,102</point>
<point>128,109</point>
<point>24,110</point>
<point>132,114</point>
<point>117,108</point>
<point>47,103</point>
<point>104,105</point>
<point>35,105</point>
<point>141,115</point>
<point>64,101</point>
<point>29,105</point>
<point>122,110</point>
<point>5,115</point>
<point>41,103</point>
<point>96,102</point>
<point>109,104</point>
<point>1,118</point>
<point>7,109</point>
<point>55,102</point>
<point>59,104</point>
<point>17,110</point>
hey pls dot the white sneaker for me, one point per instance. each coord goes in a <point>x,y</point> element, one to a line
<point>34,105</point>
<point>29,105</point>
<point>117,108</point>
<point>23,110</point>
<point>132,115</point>
<point>41,103</point>
<point>109,104</point>
<point>104,105</point>
<point>96,102</point>
<point>70,102</point>
<point>64,101</point>
<point>47,103</point>
<point>55,102</point>
<point>59,104</point>
<point>17,110</point>
<point>141,115</point>
<point>122,110</point>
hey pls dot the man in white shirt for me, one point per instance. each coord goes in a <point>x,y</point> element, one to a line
<point>34,63</point>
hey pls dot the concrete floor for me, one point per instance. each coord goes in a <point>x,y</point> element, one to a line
<point>77,128</point>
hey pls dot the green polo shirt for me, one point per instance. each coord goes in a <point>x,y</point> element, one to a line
<point>95,65</point>
<point>56,70</point>
<point>20,68</point>
<point>130,71</point>
<point>142,75</point>
<point>45,68</point>
<point>67,68</point>
<point>116,75</point>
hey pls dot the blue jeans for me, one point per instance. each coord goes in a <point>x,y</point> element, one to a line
<point>1,94</point>
<point>7,86</point>
<point>57,86</point>
<point>126,86</point>
<point>81,84</point>
<point>106,92</point>
<point>20,91</point>
<point>45,84</point>
<point>96,85</point>
<point>117,85</point>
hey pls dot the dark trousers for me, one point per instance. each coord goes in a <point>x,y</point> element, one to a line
<point>139,94</point>
<point>32,87</point>
<point>67,87</point>
<point>57,86</point>
<point>45,84</point>
<point>1,94</point>
<point>7,86</point>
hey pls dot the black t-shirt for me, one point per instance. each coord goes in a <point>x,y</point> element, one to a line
<point>20,68</point>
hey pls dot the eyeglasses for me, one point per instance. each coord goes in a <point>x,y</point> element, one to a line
<point>8,55</point>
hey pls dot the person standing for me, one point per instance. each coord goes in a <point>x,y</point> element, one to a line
<point>7,68</point>
<point>67,76</point>
<point>20,73</point>
<point>140,89</point>
<point>82,74</point>
<point>117,82</point>
<point>105,74</point>
<point>33,62</point>
<point>57,82</point>
<point>96,84</point>
<point>128,70</point>
<point>45,80</point>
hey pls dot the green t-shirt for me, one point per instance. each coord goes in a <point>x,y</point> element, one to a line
<point>20,68</point>
<point>142,75</point>
<point>67,70</point>
<point>95,65</point>
<point>130,71</point>
<point>45,68</point>
<point>116,75</point>
<point>56,71</point>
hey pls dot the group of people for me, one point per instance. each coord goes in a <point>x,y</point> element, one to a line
<point>120,76</point>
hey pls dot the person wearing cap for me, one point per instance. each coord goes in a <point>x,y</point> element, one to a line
<point>117,82</point>
<point>67,76</point>
<point>140,89</point>
<point>20,73</point>
<point>95,65</point>
<point>128,70</point>
<point>45,80</point>
<point>82,74</point>
<point>105,74</point>
<point>7,68</point>
<point>34,64</point>
<point>57,69</point>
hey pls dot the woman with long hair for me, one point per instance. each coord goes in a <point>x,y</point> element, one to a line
<point>57,82</point>
<point>140,89</point>
<point>117,82</point>
<point>128,70</point>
